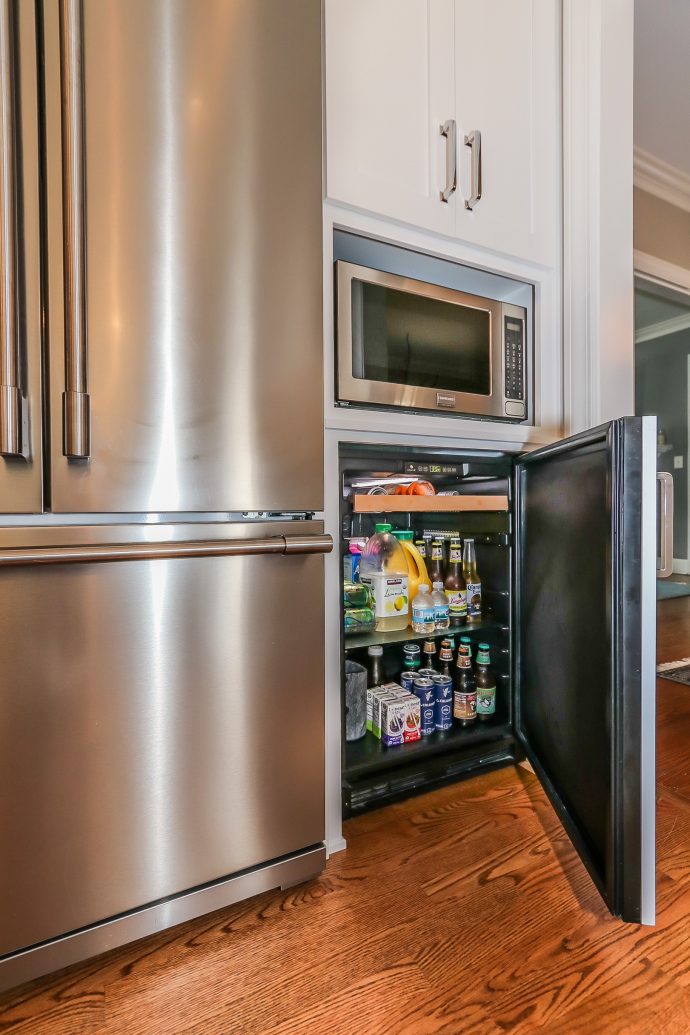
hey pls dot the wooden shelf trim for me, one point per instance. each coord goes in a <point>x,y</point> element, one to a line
<point>365,504</point>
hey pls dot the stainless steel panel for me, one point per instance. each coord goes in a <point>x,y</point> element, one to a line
<point>647,760</point>
<point>358,389</point>
<point>21,473</point>
<point>153,737</point>
<point>72,948</point>
<point>203,241</point>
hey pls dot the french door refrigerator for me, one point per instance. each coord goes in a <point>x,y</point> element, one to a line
<point>566,551</point>
<point>161,550</point>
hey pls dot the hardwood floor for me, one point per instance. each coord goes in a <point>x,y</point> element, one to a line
<point>463,911</point>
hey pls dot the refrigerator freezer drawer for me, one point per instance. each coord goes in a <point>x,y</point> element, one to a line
<point>161,715</point>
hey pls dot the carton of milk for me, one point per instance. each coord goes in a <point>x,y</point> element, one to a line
<point>378,698</point>
<point>393,714</point>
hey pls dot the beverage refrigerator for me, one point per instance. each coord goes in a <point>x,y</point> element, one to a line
<point>566,550</point>
<point>161,467</point>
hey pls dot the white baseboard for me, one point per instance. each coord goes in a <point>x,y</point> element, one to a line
<point>336,844</point>
<point>681,566</point>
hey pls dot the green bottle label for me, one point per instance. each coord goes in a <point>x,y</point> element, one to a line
<point>486,700</point>
<point>483,654</point>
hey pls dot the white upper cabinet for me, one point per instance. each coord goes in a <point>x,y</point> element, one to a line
<point>398,70</point>
<point>507,90</point>
<point>389,88</point>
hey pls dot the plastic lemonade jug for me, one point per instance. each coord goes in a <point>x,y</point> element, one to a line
<point>384,569</point>
<point>416,566</point>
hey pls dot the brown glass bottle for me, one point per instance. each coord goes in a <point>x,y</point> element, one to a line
<point>435,567</point>
<point>445,658</point>
<point>429,653</point>
<point>486,685</point>
<point>455,586</point>
<point>465,689</point>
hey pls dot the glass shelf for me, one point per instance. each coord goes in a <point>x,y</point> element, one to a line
<point>408,635</point>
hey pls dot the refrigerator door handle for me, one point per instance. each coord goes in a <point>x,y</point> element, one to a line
<point>10,394</point>
<point>76,417</point>
<point>85,554</point>
<point>665,565</point>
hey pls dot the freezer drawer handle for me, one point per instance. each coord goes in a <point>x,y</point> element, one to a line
<point>76,416</point>
<point>665,565</point>
<point>10,394</point>
<point>153,551</point>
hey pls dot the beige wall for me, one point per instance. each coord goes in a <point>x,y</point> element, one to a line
<point>661,229</point>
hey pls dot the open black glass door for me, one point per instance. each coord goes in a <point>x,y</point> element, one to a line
<point>585,647</point>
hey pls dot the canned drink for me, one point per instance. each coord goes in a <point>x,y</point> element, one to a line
<point>407,680</point>
<point>412,656</point>
<point>443,702</point>
<point>422,683</point>
<point>425,690</point>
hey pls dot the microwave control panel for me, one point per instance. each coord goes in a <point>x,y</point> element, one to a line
<point>514,366</point>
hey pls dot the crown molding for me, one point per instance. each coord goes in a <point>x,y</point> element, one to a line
<point>662,180</point>
<point>662,328</point>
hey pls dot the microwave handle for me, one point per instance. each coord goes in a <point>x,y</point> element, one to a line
<point>449,131</point>
<point>473,140</point>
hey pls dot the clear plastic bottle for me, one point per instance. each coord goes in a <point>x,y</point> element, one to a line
<point>441,607</point>
<point>423,610</point>
<point>384,569</point>
<point>474,584</point>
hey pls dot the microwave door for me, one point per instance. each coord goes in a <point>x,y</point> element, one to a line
<point>585,647</point>
<point>406,344</point>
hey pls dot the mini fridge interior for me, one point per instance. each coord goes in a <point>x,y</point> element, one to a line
<point>565,540</point>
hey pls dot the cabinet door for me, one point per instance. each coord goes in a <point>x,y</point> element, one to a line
<point>507,87</point>
<point>389,89</point>
<point>585,647</point>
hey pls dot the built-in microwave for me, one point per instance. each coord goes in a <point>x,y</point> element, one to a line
<point>459,343</point>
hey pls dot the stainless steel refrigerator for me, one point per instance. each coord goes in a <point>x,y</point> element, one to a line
<point>161,477</point>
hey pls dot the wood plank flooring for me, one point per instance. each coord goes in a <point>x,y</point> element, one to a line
<point>463,911</point>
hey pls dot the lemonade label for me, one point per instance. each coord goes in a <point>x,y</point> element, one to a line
<point>390,594</point>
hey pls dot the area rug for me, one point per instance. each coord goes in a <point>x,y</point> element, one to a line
<point>666,589</point>
<point>678,671</point>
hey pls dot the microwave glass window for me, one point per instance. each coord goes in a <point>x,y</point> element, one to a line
<point>407,339</point>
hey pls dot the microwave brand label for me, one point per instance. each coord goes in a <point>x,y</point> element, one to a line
<point>445,399</point>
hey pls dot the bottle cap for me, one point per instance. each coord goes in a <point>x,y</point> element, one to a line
<point>411,648</point>
<point>405,534</point>
<point>383,527</point>
<point>423,586</point>
<point>465,639</point>
<point>438,585</point>
<point>375,651</point>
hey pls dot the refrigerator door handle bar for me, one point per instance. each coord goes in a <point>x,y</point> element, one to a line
<point>76,417</point>
<point>10,394</point>
<point>87,553</point>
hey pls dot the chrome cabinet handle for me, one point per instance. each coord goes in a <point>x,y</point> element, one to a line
<point>449,131</point>
<point>10,394</point>
<point>76,420</point>
<point>665,565</point>
<point>473,140</point>
<point>85,554</point>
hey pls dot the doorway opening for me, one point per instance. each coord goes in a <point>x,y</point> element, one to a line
<point>662,387</point>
